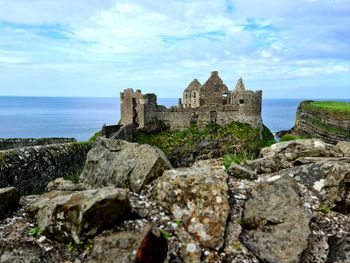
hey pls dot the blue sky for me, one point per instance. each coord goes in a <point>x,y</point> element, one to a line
<point>289,49</point>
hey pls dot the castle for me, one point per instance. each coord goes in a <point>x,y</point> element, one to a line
<point>211,102</point>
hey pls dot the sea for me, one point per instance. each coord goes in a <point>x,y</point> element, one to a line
<point>80,118</point>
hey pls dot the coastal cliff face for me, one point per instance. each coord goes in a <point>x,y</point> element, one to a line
<point>317,119</point>
<point>29,169</point>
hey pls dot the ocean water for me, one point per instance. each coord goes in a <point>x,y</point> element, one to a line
<point>38,117</point>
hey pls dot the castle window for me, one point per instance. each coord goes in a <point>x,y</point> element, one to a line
<point>194,95</point>
<point>241,101</point>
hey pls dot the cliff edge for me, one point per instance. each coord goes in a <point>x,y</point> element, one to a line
<point>327,120</point>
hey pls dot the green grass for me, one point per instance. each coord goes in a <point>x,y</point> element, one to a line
<point>95,136</point>
<point>237,138</point>
<point>331,106</point>
<point>291,137</point>
<point>237,158</point>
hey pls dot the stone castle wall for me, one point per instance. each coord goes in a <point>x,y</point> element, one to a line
<point>11,143</point>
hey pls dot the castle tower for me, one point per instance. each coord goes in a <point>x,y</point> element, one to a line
<point>191,95</point>
<point>239,85</point>
<point>213,90</point>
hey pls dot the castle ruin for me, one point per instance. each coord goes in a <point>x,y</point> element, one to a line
<point>211,102</point>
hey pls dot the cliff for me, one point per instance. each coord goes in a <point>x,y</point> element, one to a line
<point>327,120</point>
<point>29,169</point>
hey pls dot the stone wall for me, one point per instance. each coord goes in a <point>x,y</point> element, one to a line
<point>24,142</point>
<point>326,125</point>
<point>30,168</point>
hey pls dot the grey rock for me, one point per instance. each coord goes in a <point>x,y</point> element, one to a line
<point>276,225</point>
<point>198,197</point>
<point>344,147</point>
<point>61,184</point>
<point>268,165</point>
<point>130,246</point>
<point>292,150</point>
<point>9,198</point>
<point>328,179</point>
<point>122,164</point>
<point>241,172</point>
<point>339,249</point>
<point>74,216</point>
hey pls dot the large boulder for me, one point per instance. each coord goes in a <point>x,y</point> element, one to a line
<point>339,249</point>
<point>9,198</point>
<point>344,147</point>
<point>294,149</point>
<point>123,164</point>
<point>197,196</point>
<point>276,225</point>
<point>74,216</point>
<point>130,246</point>
<point>329,179</point>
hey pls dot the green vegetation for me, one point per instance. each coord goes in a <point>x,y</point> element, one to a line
<point>237,158</point>
<point>165,234</point>
<point>70,247</point>
<point>72,177</point>
<point>35,232</point>
<point>317,121</point>
<point>291,137</point>
<point>323,209</point>
<point>237,245</point>
<point>331,106</point>
<point>237,137</point>
<point>95,136</point>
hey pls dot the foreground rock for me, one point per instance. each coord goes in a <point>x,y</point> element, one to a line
<point>9,198</point>
<point>197,196</point>
<point>241,172</point>
<point>123,164</point>
<point>276,226</point>
<point>329,179</point>
<point>281,155</point>
<point>130,246</point>
<point>61,184</point>
<point>75,216</point>
<point>344,147</point>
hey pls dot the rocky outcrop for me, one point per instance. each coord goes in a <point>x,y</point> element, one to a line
<point>9,198</point>
<point>76,216</point>
<point>11,143</point>
<point>344,147</point>
<point>196,214</point>
<point>330,126</point>
<point>29,169</point>
<point>130,246</point>
<point>281,155</point>
<point>276,225</point>
<point>123,164</point>
<point>197,196</point>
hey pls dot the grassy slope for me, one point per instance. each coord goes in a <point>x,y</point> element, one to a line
<point>171,141</point>
<point>332,106</point>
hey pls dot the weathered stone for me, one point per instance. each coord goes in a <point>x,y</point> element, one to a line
<point>276,226</point>
<point>268,165</point>
<point>30,169</point>
<point>292,150</point>
<point>80,214</point>
<point>241,172</point>
<point>9,198</point>
<point>18,253</point>
<point>61,184</point>
<point>344,147</point>
<point>131,246</point>
<point>329,179</point>
<point>198,197</point>
<point>339,249</point>
<point>123,164</point>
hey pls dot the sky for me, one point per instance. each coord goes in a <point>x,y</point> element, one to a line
<point>97,48</point>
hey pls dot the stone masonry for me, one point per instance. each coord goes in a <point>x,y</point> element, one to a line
<point>211,103</point>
